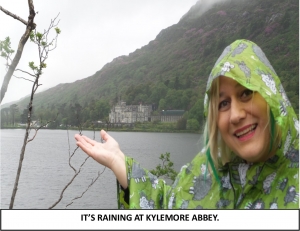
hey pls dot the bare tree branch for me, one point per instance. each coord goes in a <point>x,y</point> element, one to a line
<point>90,185</point>
<point>68,142</point>
<point>13,15</point>
<point>23,78</point>
<point>26,72</point>
<point>37,129</point>
<point>71,166</point>
<point>52,25</point>
<point>75,175</point>
<point>77,172</point>
<point>70,182</point>
<point>62,192</point>
<point>30,25</point>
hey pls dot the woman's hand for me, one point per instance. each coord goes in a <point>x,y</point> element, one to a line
<point>107,154</point>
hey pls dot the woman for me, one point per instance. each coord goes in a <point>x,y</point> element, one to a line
<point>251,157</point>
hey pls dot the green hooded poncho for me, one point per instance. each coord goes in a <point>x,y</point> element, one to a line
<point>273,184</point>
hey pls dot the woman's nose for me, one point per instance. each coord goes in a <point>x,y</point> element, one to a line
<point>237,112</point>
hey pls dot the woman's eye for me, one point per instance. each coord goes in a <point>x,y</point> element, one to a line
<point>223,105</point>
<point>246,93</point>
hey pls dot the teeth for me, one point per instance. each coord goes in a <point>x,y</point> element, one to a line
<point>245,131</point>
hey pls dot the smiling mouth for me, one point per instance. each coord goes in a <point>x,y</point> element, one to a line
<point>246,131</point>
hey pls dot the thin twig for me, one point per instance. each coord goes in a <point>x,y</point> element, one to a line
<point>68,142</point>
<point>93,126</point>
<point>23,78</point>
<point>70,182</point>
<point>26,73</point>
<point>93,181</point>
<point>77,172</point>
<point>90,185</point>
<point>62,192</point>
<point>37,129</point>
<point>70,159</point>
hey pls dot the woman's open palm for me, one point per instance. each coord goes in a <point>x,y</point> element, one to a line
<point>107,153</point>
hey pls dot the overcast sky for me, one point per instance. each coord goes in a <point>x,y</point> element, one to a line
<point>94,32</point>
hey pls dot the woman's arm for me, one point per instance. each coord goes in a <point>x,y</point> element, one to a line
<point>107,154</point>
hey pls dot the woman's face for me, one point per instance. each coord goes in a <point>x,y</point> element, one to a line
<point>242,120</point>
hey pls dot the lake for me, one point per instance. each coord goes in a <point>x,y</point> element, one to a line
<point>46,171</point>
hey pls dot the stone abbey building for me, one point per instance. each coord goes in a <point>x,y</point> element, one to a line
<point>122,113</point>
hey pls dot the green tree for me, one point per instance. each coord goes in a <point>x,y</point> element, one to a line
<point>193,124</point>
<point>174,99</point>
<point>24,116</point>
<point>196,111</point>
<point>181,124</point>
<point>285,20</point>
<point>13,111</point>
<point>162,104</point>
<point>159,91</point>
<point>65,121</point>
<point>176,83</point>
<point>165,169</point>
<point>102,108</point>
<point>5,116</point>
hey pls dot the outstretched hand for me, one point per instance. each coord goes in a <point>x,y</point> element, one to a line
<point>107,154</point>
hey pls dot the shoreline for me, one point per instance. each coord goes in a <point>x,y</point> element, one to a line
<point>115,130</point>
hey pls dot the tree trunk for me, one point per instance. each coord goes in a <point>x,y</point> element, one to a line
<point>30,26</point>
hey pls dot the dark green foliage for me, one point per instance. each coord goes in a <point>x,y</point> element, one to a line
<point>166,169</point>
<point>181,124</point>
<point>193,124</point>
<point>196,111</point>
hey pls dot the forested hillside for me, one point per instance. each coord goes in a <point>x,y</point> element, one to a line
<point>171,71</point>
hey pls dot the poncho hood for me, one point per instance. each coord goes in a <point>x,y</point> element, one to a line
<point>271,184</point>
<point>247,64</point>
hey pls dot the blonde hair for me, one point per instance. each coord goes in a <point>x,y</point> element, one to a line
<point>219,151</point>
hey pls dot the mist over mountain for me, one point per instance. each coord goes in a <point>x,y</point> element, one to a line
<point>171,71</point>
